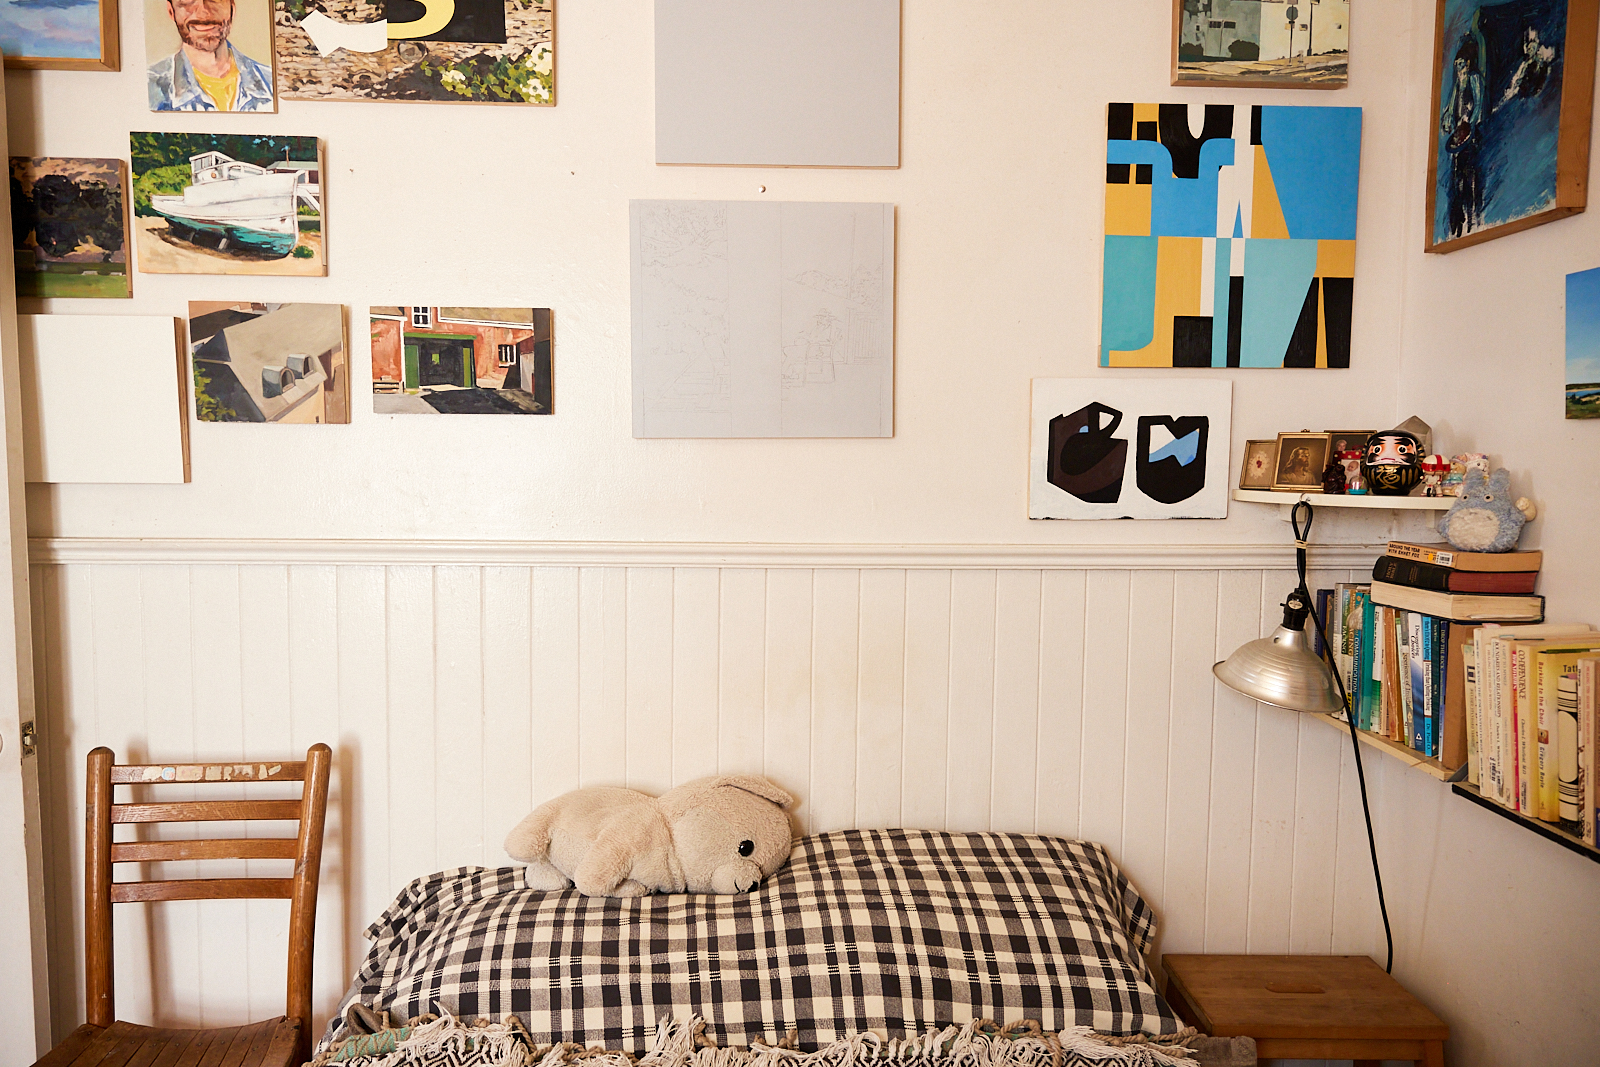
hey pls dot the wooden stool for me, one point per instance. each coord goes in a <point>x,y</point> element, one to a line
<point>1306,1007</point>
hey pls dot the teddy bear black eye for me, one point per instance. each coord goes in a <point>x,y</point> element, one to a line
<point>746,847</point>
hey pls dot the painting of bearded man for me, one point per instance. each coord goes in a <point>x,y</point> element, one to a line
<point>207,72</point>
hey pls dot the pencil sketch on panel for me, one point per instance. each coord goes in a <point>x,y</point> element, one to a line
<point>763,320</point>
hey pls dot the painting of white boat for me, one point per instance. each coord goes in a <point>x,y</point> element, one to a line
<point>239,203</point>
<point>227,204</point>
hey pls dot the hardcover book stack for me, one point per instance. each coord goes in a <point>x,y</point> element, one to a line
<point>1396,640</point>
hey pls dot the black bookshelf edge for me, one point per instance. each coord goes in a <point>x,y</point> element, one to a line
<point>1538,826</point>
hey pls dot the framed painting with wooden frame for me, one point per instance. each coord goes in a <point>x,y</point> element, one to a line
<point>79,36</point>
<point>1513,96</point>
<point>1301,457</point>
<point>1304,45</point>
<point>1260,464</point>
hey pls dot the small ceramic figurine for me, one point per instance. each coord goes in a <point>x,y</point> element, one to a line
<point>1459,465</point>
<point>1393,464</point>
<point>1333,477</point>
<point>1434,469</point>
<point>1350,460</point>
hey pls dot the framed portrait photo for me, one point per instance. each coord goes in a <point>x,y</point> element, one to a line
<point>1301,457</point>
<point>1513,96</point>
<point>1260,465</point>
<point>68,35</point>
<point>1347,441</point>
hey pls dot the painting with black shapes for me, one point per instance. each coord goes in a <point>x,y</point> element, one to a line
<point>1112,448</point>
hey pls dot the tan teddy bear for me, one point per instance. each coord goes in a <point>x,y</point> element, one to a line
<point>713,835</point>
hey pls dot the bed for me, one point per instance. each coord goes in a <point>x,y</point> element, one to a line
<point>892,931</point>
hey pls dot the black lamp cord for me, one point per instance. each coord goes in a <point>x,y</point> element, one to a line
<point>1300,535</point>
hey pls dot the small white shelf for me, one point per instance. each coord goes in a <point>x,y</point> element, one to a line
<point>1288,499</point>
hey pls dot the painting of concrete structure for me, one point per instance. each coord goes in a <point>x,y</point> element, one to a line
<point>461,361</point>
<point>1284,44</point>
<point>1510,147</point>
<point>227,204</point>
<point>282,363</point>
<point>1120,448</point>
<point>1230,235</point>
<point>762,319</point>
<point>458,51</point>
<point>69,226</point>
<point>1583,344</point>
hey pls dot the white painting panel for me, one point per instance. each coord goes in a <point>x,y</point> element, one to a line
<point>755,319</point>
<point>778,82</point>
<point>103,399</point>
<point>1129,448</point>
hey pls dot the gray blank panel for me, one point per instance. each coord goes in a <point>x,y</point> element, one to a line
<point>778,82</point>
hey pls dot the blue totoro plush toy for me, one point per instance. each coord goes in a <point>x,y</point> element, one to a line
<point>1485,518</point>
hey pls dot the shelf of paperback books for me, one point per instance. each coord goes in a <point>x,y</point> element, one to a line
<point>1287,499</point>
<point>1538,826</point>
<point>1394,749</point>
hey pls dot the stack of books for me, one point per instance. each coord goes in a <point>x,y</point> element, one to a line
<point>1394,639</point>
<point>1532,720</point>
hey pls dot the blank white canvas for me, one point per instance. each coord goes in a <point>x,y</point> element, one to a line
<point>1133,398</point>
<point>778,82</point>
<point>102,399</point>
<point>754,319</point>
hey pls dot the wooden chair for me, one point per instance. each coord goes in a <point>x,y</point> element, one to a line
<point>279,1042</point>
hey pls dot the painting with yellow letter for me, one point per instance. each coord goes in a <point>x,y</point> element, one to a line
<point>443,51</point>
<point>1230,235</point>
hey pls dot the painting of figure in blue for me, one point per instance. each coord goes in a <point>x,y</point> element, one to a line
<point>1499,118</point>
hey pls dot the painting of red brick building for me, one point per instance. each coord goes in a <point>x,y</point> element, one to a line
<point>461,361</point>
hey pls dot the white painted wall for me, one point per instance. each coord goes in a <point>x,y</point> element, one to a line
<point>597,662</point>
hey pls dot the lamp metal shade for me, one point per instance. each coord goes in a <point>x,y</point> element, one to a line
<point>1282,671</point>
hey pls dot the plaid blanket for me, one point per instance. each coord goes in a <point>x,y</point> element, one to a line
<point>894,931</point>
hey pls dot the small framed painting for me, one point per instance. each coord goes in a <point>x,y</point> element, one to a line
<point>1261,44</point>
<point>1347,441</point>
<point>1301,457</point>
<point>60,35</point>
<point>1513,96</point>
<point>1260,465</point>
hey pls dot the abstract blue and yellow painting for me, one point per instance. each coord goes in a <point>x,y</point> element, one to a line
<point>1230,235</point>
<point>1583,345</point>
<point>1499,117</point>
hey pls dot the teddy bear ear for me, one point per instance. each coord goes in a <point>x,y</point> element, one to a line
<point>1500,481</point>
<point>759,786</point>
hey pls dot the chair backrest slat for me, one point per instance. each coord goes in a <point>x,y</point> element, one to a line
<point>207,811</point>
<point>242,848</point>
<point>203,889</point>
<point>305,849</point>
<point>190,773</point>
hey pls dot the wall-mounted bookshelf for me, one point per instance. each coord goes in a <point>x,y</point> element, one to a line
<point>1393,749</point>
<point>1538,826</point>
<point>1368,501</point>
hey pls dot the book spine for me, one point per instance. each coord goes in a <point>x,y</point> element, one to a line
<point>1402,648</point>
<point>1543,694</point>
<point>1358,694</point>
<point>1494,677</point>
<point>1368,683</point>
<point>1474,715</point>
<point>1325,623</point>
<point>1569,795</point>
<point>1403,550</point>
<point>1523,721</point>
<point>1588,724</point>
<point>1417,664</point>
<point>1439,670</point>
<point>1413,573</point>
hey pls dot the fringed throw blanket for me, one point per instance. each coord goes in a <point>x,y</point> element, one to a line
<point>898,932</point>
<point>447,1042</point>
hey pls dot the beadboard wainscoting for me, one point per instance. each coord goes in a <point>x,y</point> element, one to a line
<point>968,691</point>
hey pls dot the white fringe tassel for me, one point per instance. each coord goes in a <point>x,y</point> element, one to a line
<point>448,1042</point>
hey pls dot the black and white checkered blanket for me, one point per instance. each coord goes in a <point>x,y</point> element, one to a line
<point>896,931</point>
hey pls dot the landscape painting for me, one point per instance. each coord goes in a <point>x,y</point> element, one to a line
<point>1121,448</point>
<point>69,225</point>
<point>208,203</point>
<point>461,361</point>
<point>1583,344</point>
<point>1230,235</point>
<point>280,363</point>
<point>1513,95</point>
<point>762,319</point>
<point>59,34</point>
<point>457,52</point>
<point>1269,44</point>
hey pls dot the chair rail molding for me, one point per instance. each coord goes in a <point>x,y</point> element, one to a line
<point>401,551</point>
